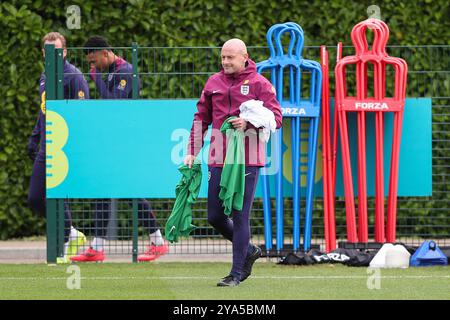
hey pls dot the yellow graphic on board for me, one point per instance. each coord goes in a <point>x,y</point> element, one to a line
<point>57,164</point>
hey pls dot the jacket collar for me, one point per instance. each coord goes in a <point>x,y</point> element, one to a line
<point>116,65</point>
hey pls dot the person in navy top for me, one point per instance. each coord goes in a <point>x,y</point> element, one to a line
<point>113,77</point>
<point>75,87</point>
<point>117,83</point>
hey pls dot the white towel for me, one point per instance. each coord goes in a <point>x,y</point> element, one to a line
<point>254,112</point>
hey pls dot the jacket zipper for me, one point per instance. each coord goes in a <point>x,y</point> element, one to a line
<point>229,98</point>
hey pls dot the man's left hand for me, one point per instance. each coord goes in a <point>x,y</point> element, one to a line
<point>238,124</point>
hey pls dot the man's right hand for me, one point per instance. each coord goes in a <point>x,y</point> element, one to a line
<point>189,160</point>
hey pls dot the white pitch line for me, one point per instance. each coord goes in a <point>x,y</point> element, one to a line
<point>207,278</point>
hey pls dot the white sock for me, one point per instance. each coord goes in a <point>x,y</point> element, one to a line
<point>73,234</point>
<point>156,238</point>
<point>66,246</point>
<point>98,243</point>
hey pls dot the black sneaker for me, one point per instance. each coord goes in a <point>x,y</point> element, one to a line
<point>249,261</point>
<point>228,281</point>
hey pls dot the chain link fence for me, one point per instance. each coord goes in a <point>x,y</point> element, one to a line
<point>181,72</point>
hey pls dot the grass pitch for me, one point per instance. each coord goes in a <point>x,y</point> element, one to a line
<point>197,281</point>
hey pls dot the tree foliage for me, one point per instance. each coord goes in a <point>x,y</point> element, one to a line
<point>167,23</point>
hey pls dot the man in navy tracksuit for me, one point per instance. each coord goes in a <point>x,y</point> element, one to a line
<point>75,87</point>
<point>116,85</point>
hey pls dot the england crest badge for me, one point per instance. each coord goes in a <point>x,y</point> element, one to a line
<point>245,89</point>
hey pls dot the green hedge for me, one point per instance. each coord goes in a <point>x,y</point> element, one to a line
<point>167,23</point>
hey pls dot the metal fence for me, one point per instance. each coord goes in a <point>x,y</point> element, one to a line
<point>181,72</point>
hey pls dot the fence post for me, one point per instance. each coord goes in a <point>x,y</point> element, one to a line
<point>50,93</point>
<point>134,61</point>
<point>135,95</point>
<point>51,231</point>
<point>59,74</point>
<point>60,208</point>
<point>135,229</point>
